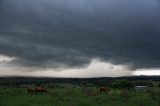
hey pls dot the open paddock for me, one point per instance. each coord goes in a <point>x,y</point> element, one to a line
<point>72,95</point>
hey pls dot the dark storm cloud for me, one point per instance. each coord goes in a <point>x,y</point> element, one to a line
<point>72,32</point>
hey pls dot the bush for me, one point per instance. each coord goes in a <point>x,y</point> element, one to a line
<point>159,85</point>
<point>143,83</point>
<point>123,84</point>
<point>155,95</point>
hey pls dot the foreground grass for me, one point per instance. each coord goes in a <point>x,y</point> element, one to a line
<point>72,96</point>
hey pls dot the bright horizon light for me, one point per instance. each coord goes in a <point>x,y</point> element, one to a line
<point>147,72</point>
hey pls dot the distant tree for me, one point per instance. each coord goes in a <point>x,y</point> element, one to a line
<point>159,85</point>
<point>144,83</point>
<point>123,84</point>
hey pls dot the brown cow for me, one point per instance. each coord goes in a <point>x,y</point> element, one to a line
<point>40,89</point>
<point>104,89</point>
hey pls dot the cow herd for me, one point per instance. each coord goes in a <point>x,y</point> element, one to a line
<point>41,89</point>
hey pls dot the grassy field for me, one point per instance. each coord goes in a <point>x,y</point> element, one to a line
<point>69,95</point>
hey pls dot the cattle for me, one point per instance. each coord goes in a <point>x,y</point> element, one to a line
<point>40,89</point>
<point>104,89</point>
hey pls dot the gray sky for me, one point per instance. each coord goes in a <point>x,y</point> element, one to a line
<point>60,37</point>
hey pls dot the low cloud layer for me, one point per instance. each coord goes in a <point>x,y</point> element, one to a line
<point>70,34</point>
<point>96,68</point>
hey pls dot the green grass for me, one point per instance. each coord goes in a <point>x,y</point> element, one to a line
<point>73,96</point>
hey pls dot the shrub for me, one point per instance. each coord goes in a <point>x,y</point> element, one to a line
<point>159,85</point>
<point>125,95</point>
<point>143,83</point>
<point>123,84</point>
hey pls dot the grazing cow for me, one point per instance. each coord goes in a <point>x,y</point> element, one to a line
<point>104,89</point>
<point>40,89</point>
<point>30,90</point>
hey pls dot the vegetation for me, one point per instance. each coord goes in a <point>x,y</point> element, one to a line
<point>123,84</point>
<point>84,93</point>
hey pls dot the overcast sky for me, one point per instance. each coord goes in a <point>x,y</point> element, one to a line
<point>79,38</point>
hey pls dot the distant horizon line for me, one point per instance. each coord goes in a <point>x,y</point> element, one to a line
<point>20,76</point>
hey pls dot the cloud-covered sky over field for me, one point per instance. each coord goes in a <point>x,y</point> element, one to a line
<point>79,38</point>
